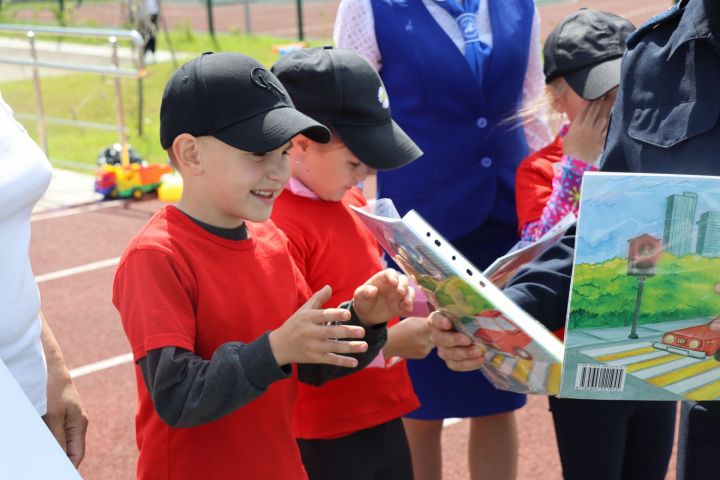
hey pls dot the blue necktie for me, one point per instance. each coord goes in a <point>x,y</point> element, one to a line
<point>476,52</point>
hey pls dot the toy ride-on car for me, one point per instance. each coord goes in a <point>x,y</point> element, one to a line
<point>131,180</point>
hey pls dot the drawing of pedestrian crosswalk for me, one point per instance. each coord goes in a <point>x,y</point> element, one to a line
<point>692,378</point>
<point>533,376</point>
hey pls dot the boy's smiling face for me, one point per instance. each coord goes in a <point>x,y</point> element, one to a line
<point>228,186</point>
<point>329,170</point>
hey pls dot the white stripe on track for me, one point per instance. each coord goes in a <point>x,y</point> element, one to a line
<point>64,212</point>
<point>101,365</point>
<point>67,272</point>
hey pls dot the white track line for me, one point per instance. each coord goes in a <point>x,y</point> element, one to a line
<point>65,212</point>
<point>101,365</point>
<point>67,272</point>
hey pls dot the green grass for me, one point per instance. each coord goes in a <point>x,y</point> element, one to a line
<point>91,98</point>
<point>604,295</point>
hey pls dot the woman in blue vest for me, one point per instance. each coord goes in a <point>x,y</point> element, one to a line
<point>456,71</point>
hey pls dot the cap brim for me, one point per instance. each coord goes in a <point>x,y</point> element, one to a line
<point>272,129</point>
<point>595,81</point>
<point>383,147</point>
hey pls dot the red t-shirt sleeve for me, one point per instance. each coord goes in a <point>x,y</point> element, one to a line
<point>154,297</point>
<point>298,247</point>
<point>299,260</point>
<point>533,186</point>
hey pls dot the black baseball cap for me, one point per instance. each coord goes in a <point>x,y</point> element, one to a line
<point>586,48</point>
<point>340,89</point>
<point>236,100</point>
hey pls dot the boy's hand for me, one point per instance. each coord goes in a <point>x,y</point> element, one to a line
<point>409,338</point>
<point>455,348</point>
<point>586,137</point>
<point>384,296</point>
<point>310,336</point>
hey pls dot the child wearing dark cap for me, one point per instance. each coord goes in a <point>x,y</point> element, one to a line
<point>213,305</point>
<point>582,58</point>
<point>350,428</point>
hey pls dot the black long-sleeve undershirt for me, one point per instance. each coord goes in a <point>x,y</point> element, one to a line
<point>188,391</point>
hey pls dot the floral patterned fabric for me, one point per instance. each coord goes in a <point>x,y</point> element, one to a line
<point>565,196</point>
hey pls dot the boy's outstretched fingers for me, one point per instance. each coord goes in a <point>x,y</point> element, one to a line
<point>310,335</point>
<point>318,299</point>
<point>384,296</point>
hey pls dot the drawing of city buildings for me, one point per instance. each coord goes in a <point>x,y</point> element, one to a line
<point>680,223</point>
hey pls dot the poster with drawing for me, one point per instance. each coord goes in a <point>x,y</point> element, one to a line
<point>643,319</point>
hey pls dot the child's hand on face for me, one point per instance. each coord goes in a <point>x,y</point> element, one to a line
<point>384,296</point>
<point>310,335</point>
<point>586,137</point>
<point>409,338</point>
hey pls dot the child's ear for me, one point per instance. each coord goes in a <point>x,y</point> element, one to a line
<point>555,91</point>
<point>186,149</point>
<point>301,143</point>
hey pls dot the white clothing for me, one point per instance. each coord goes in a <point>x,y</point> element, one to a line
<point>152,7</point>
<point>355,30</point>
<point>24,176</point>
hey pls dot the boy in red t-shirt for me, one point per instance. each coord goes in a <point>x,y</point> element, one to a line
<point>350,428</point>
<point>213,305</point>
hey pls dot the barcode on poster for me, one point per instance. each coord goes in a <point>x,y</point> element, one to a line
<point>604,378</point>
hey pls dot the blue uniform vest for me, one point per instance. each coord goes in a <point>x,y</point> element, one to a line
<point>467,172</point>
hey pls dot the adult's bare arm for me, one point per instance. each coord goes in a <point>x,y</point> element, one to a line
<point>65,417</point>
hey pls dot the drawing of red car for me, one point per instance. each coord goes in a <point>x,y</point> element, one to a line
<point>700,341</point>
<point>499,334</point>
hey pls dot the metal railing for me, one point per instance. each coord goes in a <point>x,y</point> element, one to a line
<point>114,70</point>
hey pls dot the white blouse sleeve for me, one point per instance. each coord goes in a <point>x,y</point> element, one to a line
<point>537,131</point>
<point>355,30</point>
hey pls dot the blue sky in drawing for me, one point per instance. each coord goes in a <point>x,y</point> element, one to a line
<point>617,207</point>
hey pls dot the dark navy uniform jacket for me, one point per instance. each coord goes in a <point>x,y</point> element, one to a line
<point>666,119</point>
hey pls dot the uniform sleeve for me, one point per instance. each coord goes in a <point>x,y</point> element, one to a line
<point>188,391</point>
<point>537,130</point>
<point>153,294</point>
<point>542,287</point>
<point>355,30</point>
<point>613,156</point>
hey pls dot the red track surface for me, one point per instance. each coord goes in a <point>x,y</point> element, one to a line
<point>88,328</point>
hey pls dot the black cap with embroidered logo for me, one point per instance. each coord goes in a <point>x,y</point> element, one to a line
<point>340,89</point>
<point>586,48</point>
<point>233,98</point>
